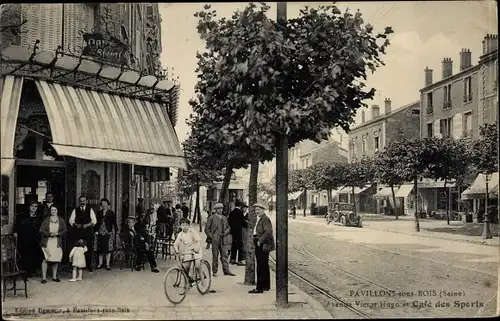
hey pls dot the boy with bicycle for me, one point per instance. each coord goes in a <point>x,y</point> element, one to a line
<point>187,246</point>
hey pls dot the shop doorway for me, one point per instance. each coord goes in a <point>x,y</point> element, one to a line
<point>33,182</point>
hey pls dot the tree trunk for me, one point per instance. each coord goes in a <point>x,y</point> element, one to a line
<point>354,200</point>
<point>396,208</point>
<point>225,186</point>
<point>252,199</point>
<point>281,219</point>
<point>197,206</point>
<point>446,206</point>
<point>415,187</point>
<point>305,201</point>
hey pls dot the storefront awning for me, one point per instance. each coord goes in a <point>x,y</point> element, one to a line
<point>293,196</point>
<point>404,190</point>
<point>10,97</point>
<point>478,188</point>
<point>383,193</point>
<point>103,127</point>
<point>357,190</point>
<point>432,183</point>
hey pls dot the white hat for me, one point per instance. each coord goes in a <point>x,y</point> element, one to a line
<point>259,205</point>
<point>218,205</point>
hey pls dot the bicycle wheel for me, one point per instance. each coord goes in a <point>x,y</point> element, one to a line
<point>203,285</point>
<point>176,285</point>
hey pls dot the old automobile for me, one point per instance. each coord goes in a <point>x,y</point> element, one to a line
<point>343,214</point>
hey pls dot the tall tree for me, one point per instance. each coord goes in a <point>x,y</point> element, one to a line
<point>327,176</point>
<point>450,161</point>
<point>299,182</point>
<point>484,149</point>
<point>388,169</point>
<point>290,83</point>
<point>358,174</point>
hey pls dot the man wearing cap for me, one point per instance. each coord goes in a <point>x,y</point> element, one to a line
<point>136,235</point>
<point>217,229</point>
<point>264,243</point>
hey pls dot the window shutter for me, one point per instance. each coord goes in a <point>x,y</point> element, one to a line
<point>437,129</point>
<point>457,126</point>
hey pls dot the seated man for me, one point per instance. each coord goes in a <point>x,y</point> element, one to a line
<point>139,237</point>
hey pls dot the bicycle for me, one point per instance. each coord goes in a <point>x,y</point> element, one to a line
<point>183,279</point>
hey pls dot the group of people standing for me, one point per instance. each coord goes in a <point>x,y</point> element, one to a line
<point>228,235</point>
<point>41,233</point>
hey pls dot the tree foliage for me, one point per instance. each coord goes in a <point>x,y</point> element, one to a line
<point>484,149</point>
<point>298,180</point>
<point>10,24</point>
<point>327,175</point>
<point>359,173</point>
<point>300,81</point>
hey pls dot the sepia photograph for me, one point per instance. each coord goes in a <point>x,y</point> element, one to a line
<point>249,160</point>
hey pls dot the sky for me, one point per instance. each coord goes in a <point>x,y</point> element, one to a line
<point>424,33</point>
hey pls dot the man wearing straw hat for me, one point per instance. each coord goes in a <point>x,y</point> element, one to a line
<point>264,243</point>
<point>217,229</point>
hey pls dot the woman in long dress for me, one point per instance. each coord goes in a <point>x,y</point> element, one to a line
<point>106,230</point>
<point>52,231</point>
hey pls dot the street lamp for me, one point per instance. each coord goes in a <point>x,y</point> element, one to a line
<point>486,230</point>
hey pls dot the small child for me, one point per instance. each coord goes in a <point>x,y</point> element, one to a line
<point>77,257</point>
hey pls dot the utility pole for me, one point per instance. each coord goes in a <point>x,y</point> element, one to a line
<point>281,200</point>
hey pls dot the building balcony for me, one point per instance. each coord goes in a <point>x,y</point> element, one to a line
<point>446,105</point>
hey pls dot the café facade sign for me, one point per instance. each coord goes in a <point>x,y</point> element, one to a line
<point>106,48</point>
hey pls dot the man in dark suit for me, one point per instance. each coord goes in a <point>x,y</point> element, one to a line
<point>83,219</point>
<point>137,235</point>
<point>237,223</point>
<point>185,211</point>
<point>264,243</point>
<point>49,202</point>
<point>161,213</point>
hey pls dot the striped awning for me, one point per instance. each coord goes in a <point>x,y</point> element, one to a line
<point>404,190</point>
<point>357,190</point>
<point>103,127</point>
<point>10,97</point>
<point>477,190</point>
<point>293,196</point>
<point>383,193</point>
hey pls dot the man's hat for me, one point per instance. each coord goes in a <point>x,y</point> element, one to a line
<point>244,205</point>
<point>259,205</point>
<point>132,218</point>
<point>218,205</point>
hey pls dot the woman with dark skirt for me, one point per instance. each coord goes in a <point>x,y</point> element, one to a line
<point>28,241</point>
<point>106,229</point>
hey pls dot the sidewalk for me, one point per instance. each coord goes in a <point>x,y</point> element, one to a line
<point>140,295</point>
<point>406,225</point>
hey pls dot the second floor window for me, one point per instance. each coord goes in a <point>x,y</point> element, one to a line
<point>377,143</point>
<point>429,130</point>
<point>429,100</point>
<point>467,89</point>
<point>447,93</point>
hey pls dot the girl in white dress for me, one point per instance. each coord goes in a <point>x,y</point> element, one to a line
<point>77,257</point>
<point>188,244</point>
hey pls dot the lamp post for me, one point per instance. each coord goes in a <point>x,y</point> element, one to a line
<point>486,230</point>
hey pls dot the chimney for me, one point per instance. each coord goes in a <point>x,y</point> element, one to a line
<point>447,67</point>
<point>465,59</point>
<point>375,111</point>
<point>428,76</point>
<point>387,103</point>
<point>362,117</point>
<point>490,43</point>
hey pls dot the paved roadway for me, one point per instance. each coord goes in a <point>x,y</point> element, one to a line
<point>387,274</point>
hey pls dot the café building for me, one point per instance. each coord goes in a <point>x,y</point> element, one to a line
<point>75,125</point>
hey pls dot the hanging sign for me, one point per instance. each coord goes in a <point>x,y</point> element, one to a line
<point>105,48</point>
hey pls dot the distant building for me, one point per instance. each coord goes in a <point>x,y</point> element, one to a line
<point>456,106</point>
<point>371,137</point>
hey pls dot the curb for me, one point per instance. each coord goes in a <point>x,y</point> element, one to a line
<point>316,306</point>
<point>433,237</point>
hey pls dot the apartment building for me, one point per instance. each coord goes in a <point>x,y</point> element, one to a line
<point>370,137</point>
<point>456,106</point>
